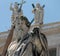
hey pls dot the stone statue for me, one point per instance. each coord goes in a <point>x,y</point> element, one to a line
<point>21,28</point>
<point>38,14</point>
<point>15,13</point>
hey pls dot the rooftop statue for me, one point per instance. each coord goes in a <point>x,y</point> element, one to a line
<point>38,12</point>
<point>16,10</point>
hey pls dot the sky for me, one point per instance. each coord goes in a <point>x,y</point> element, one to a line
<point>51,11</point>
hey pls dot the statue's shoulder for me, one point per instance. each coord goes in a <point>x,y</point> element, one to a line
<point>12,44</point>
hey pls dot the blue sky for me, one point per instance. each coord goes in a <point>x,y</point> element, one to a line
<point>51,11</point>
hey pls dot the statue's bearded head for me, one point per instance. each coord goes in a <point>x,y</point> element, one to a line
<point>22,26</point>
<point>22,22</point>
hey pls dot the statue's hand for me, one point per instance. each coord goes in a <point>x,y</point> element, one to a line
<point>34,9</point>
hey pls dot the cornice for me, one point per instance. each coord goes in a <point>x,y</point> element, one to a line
<point>50,28</point>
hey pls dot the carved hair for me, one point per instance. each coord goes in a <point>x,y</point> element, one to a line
<point>26,21</point>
